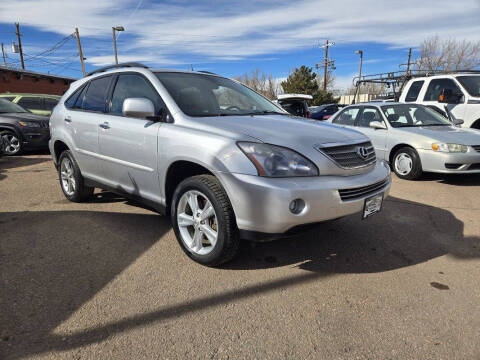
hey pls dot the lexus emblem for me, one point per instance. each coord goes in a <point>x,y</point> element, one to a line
<point>362,152</point>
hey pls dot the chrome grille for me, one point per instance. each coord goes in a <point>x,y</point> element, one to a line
<point>44,124</point>
<point>476,147</point>
<point>348,155</point>
<point>363,191</point>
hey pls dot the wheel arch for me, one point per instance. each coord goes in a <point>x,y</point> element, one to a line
<point>476,124</point>
<point>178,171</point>
<point>396,148</point>
<point>58,147</point>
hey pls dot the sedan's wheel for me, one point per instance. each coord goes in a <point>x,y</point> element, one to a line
<point>71,179</point>
<point>12,144</point>
<point>406,164</point>
<point>203,220</point>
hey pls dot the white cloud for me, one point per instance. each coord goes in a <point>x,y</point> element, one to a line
<point>161,33</point>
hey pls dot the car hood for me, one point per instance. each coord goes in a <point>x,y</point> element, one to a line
<point>25,116</point>
<point>446,134</point>
<point>288,131</point>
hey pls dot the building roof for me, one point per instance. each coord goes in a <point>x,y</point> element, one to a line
<point>34,73</point>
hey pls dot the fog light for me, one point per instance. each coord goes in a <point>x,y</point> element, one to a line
<point>297,206</point>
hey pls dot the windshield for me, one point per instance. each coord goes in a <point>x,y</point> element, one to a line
<point>471,84</point>
<point>413,115</point>
<point>9,107</point>
<point>201,95</point>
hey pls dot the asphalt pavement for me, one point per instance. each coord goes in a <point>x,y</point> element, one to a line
<point>107,280</point>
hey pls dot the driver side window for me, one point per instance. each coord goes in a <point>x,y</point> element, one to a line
<point>369,115</point>
<point>436,87</point>
<point>347,117</point>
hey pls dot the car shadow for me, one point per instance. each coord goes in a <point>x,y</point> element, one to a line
<point>452,179</point>
<point>51,267</point>
<point>405,233</point>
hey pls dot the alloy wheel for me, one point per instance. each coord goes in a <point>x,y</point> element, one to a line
<point>67,176</point>
<point>197,222</point>
<point>12,144</point>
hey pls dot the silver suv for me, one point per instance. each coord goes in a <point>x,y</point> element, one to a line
<point>224,162</point>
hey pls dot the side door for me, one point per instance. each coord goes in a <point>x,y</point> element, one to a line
<point>434,90</point>
<point>347,117</point>
<point>82,119</point>
<point>377,136</point>
<point>128,145</point>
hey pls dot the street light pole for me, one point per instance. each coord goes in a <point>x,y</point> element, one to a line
<point>360,52</point>
<point>116,28</point>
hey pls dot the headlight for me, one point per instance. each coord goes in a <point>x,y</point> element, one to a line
<point>453,148</point>
<point>29,124</point>
<point>277,161</point>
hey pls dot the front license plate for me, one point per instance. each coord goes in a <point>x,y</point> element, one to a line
<point>372,205</point>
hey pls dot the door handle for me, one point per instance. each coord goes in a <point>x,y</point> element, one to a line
<point>105,125</point>
<point>68,120</point>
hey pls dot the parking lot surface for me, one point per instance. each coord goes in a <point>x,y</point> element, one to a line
<point>107,280</point>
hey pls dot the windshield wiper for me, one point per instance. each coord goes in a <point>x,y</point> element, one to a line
<point>264,112</point>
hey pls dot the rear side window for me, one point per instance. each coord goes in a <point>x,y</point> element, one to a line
<point>347,117</point>
<point>34,103</point>
<point>414,90</point>
<point>436,87</point>
<point>50,103</point>
<point>133,86</point>
<point>9,98</point>
<point>96,95</point>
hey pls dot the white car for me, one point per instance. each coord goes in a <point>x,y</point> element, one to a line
<point>460,91</point>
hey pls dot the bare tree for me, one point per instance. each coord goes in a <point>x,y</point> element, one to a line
<point>262,83</point>
<point>449,54</point>
<point>368,88</point>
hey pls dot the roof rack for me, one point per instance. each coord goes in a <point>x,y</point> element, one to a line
<point>117,66</point>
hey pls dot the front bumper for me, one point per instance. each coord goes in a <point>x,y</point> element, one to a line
<point>35,138</point>
<point>454,163</point>
<point>262,204</point>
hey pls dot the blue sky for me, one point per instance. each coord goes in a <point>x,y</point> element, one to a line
<point>234,37</point>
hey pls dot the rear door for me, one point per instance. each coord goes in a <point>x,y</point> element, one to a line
<point>83,118</point>
<point>128,145</point>
<point>377,136</point>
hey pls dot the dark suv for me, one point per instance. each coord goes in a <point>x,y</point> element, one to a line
<point>22,130</point>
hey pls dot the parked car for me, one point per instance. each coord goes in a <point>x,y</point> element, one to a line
<point>460,91</point>
<point>40,104</point>
<point>22,130</point>
<point>414,138</point>
<point>324,112</point>
<point>2,146</point>
<point>295,104</point>
<point>223,161</point>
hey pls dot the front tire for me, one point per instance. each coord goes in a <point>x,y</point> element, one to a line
<point>71,179</point>
<point>204,221</point>
<point>11,142</point>
<point>406,164</point>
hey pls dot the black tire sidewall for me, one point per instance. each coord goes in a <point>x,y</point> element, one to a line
<point>213,257</point>
<point>8,132</point>
<point>416,171</point>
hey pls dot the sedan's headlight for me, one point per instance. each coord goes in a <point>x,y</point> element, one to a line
<point>277,161</point>
<point>453,148</point>
<point>29,124</point>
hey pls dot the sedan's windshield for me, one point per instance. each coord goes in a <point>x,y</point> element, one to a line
<point>206,95</point>
<point>471,84</point>
<point>408,115</point>
<point>9,107</point>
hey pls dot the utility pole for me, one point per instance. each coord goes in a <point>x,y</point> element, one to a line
<point>17,25</point>
<point>116,28</point>
<point>77,35</point>
<point>326,63</point>
<point>408,62</point>
<point>360,52</point>
<point>3,54</point>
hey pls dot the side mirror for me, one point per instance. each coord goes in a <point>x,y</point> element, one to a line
<point>458,122</point>
<point>448,97</point>
<point>377,125</point>
<point>138,108</point>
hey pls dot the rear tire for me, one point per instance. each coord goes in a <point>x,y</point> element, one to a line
<point>71,179</point>
<point>211,240</point>
<point>406,164</point>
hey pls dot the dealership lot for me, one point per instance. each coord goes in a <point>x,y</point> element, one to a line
<point>107,279</point>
